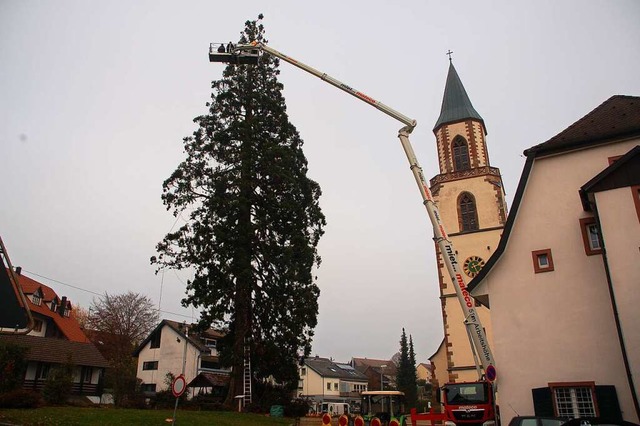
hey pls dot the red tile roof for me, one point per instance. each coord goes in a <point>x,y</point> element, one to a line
<point>69,326</point>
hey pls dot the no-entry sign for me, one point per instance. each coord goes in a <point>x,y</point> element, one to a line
<point>178,386</point>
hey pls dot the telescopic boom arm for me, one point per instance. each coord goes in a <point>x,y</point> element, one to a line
<point>340,85</point>
<point>478,338</point>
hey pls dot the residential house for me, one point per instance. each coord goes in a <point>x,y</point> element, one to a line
<point>424,371</point>
<point>324,380</point>
<point>381,373</point>
<point>172,348</point>
<point>562,285</point>
<point>56,339</point>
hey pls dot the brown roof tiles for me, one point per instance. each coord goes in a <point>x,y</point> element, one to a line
<point>59,351</point>
<point>615,118</point>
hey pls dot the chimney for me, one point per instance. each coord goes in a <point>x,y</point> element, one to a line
<point>63,305</point>
<point>18,270</point>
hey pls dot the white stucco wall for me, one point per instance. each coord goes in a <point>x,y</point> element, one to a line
<point>616,207</point>
<point>312,383</point>
<point>555,326</point>
<point>170,356</point>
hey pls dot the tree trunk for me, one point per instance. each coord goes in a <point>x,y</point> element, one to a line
<point>244,272</point>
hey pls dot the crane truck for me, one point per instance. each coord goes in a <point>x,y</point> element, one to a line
<point>467,403</point>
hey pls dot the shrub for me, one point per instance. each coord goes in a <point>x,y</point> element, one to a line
<point>296,408</point>
<point>13,364</point>
<point>265,395</point>
<point>163,400</point>
<point>207,402</point>
<point>121,378</point>
<point>20,398</point>
<point>59,384</point>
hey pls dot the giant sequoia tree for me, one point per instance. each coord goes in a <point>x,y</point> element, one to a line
<point>254,222</point>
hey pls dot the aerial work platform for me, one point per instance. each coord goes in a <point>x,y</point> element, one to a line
<point>219,52</point>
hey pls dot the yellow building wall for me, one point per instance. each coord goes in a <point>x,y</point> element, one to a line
<point>454,361</point>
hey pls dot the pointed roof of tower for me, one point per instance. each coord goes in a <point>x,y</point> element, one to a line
<point>456,105</point>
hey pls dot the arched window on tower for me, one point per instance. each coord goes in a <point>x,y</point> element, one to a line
<point>460,154</point>
<point>467,212</point>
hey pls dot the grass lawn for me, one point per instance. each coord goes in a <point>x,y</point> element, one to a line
<point>123,417</point>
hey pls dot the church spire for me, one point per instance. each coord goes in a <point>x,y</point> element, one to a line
<point>456,105</point>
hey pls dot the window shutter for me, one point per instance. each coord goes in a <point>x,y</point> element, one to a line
<point>608,405</point>
<point>542,402</point>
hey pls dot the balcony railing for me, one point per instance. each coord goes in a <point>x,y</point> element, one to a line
<point>77,389</point>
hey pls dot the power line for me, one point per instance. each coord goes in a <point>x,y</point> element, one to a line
<point>93,292</point>
<point>60,282</point>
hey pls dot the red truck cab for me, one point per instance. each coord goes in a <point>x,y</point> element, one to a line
<point>469,404</point>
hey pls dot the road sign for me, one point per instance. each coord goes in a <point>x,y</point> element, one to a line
<point>491,373</point>
<point>178,386</point>
<point>15,316</point>
<point>326,419</point>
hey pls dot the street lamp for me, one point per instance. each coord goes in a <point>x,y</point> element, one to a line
<point>381,378</point>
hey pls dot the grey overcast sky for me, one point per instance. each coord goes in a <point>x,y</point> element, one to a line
<point>96,96</point>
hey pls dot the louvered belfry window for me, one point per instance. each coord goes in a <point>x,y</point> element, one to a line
<point>460,154</point>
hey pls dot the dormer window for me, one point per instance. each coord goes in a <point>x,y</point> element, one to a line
<point>36,299</point>
<point>54,305</point>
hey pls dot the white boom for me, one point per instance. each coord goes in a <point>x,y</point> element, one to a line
<point>478,338</point>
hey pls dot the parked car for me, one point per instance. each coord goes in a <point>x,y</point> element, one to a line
<point>537,421</point>
<point>597,421</point>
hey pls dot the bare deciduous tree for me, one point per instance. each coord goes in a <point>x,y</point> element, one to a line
<point>130,316</point>
<point>117,324</point>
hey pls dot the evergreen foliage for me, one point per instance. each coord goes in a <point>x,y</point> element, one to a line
<point>59,384</point>
<point>121,378</point>
<point>253,222</point>
<point>412,390</point>
<point>13,364</point>
<point>20,398</point>
<point>406,376</point>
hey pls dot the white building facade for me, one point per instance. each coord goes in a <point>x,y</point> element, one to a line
<point>562,284</point>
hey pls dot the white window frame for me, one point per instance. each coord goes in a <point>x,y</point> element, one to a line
<point>594,238</point>
<point>575,400</point>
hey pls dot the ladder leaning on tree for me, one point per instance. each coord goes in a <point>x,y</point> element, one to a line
<point>247,373</point>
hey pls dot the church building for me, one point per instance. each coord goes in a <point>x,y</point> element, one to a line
<point>471,200</point>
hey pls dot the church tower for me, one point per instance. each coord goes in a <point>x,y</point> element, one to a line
<point>471,201</point>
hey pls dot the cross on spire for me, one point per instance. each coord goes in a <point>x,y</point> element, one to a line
<point>449,53</point>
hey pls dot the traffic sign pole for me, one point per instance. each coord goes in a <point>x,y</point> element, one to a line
<point>178,387</point>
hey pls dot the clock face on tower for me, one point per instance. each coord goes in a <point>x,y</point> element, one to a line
<point>473,265</point>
